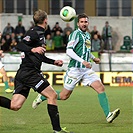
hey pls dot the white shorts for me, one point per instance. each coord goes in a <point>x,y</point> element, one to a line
<point>1,65</point>
<point>74,75</point>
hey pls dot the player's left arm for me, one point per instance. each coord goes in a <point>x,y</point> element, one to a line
<point>71,53</point>
<point>53,62</point>
<point>96,60</point>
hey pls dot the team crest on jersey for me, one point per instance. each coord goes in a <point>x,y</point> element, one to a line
<point>88,43</point>
<point>27,38</point>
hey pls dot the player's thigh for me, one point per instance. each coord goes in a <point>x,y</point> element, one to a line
<point>71,78</point>
<point>33,79</point>
<point>38,82</point>
<point>89,77</point>
<point>20,88</point>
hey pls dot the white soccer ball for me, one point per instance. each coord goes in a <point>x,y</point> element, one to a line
<point>67,13</point>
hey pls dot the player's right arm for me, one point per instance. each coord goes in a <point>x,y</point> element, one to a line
<point>74,56</point>
<point>73,40</point>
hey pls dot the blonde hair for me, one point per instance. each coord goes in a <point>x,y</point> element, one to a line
<point>39,16</point>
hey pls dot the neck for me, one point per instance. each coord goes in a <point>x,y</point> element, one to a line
<point>41,26</point>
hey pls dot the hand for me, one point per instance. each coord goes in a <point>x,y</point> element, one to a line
<point>39,50</point>
<point>58,62</point>
<point>87,64</point>
<point>96,60</point>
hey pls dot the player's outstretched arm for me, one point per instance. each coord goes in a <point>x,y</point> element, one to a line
<point>96,60</point>
<point>58,62</point>
<point>39,50</point>
<point>73,55</point>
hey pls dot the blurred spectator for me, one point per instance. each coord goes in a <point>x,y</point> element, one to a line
<point>95,31</point>
<point>56,28</point>
<point>5,43</point>
<point>96,43</point>
<point>13,46</point>
<point>8,30</point>
<point>58,41</point>
<point>31,24</point>
<point>47,31</point>
<point>65,38</point>
<point>13,36</point>
<point>67,28</point>
<point>107,36</point>
<point>19,31</point>
<point>49,43</point>
<point>8,38</point>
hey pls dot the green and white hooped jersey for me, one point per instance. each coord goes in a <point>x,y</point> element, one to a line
<point>80,42</point>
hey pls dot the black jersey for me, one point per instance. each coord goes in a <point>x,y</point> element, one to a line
<point>33,38</point>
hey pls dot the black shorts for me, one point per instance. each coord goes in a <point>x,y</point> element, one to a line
<point>26,79</point>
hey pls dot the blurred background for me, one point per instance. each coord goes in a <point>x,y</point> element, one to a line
<point>114,48</point>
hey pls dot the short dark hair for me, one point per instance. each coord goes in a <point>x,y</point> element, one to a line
<point>106,22</point>
<point>83,15</point>
<point>39,16</point>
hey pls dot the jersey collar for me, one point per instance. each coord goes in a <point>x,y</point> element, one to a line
<point>82,31</point>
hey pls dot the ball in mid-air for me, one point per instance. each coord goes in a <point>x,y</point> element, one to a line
<point>67,13</point>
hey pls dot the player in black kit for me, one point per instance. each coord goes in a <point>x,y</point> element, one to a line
<point>29,74</point>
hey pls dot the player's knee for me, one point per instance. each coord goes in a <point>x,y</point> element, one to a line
<point>54,96</point>
<point>15,107</point>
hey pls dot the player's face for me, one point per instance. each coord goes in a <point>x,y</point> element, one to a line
<point>83,24</point>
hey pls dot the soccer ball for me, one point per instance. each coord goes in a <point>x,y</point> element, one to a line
<point>67,13</point>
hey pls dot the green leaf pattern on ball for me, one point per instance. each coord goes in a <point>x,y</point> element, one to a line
<point>65,13</point>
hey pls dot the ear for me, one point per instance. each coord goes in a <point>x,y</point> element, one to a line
<point>77,24</point>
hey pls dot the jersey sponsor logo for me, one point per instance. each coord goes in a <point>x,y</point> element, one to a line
<point>88,43</point>
<point>39,84</point>
<point>27,38</point>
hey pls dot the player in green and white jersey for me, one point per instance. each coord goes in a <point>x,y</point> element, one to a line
<point>80,69</point>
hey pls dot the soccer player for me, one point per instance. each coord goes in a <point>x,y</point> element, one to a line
<point>29,74</point>
<point>3,72</point>
<point>79,69</point>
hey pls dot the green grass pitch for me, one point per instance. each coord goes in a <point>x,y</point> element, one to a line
<point>81,113</point>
